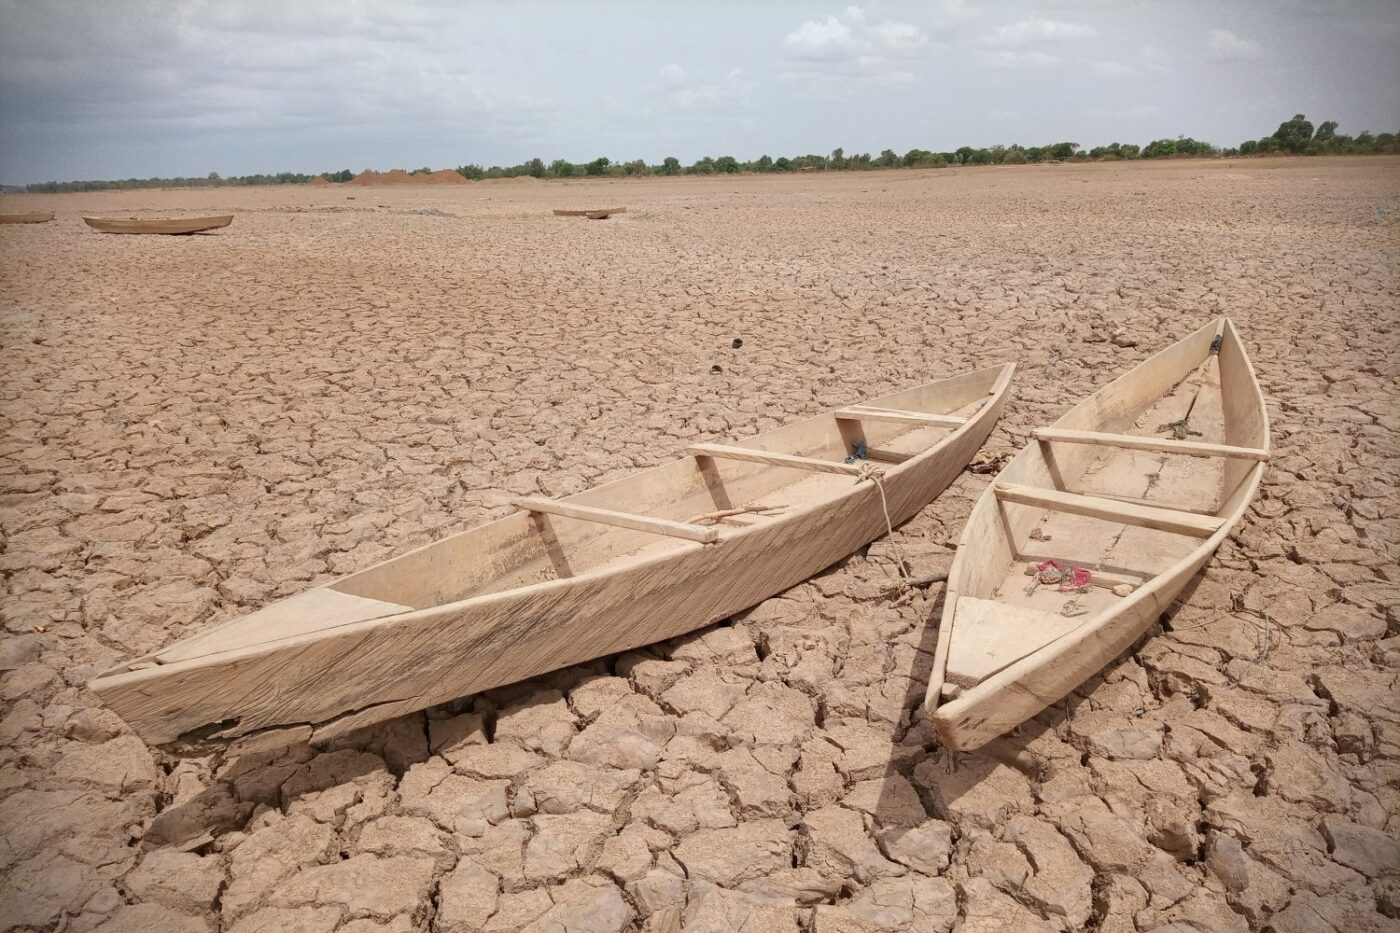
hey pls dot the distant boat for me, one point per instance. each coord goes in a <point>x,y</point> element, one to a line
<point>1091,531</point>
<point>589,212</point>
<point>33,217</point>
<point>177,226</point>
<point>638,560</point>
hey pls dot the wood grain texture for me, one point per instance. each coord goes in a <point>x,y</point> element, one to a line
<point>587,513</point>
<point>864,413</point>
<point>1163,445</point>
<point>772,458</point>
<point>1124,513</point>
<point>997,533</point>
<point>350,675</point>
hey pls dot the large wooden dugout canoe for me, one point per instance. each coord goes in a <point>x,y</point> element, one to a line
<point>1138,484</point>
<point>626,564</point>
<point>29,217</point>
<point>175,226</point>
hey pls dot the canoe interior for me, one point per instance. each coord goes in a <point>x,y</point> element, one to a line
<point>996,614</point>
<point>526,548</point>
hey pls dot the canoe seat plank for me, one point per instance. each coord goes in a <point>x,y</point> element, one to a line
<point>991,635</point>
<point>1124,513</point>
<point>588,513</point>
<point>314,610</point>
<point>884,455</point>
<point>868,413</point>
<point>1136,442</point>
<point>772,459</point>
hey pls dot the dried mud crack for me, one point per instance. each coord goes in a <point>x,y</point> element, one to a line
<point>196,427</point>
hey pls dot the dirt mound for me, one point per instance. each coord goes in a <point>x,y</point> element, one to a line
<point>319,181</point>
<point>399,177</point>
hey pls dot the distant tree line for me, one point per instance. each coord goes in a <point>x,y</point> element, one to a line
<point>1296,137</point>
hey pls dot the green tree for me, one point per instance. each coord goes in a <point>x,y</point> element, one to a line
<point>1160,149</point>
<point>838,159</point>
<point>670,166</point>
<point>535,168</point>
<point>561,168</point>
<point>598,166</point>
<point>727,164</point>
<point>1294,135</point>
<point>782,164</point>
<point>1325,131</point>
<point>887,159</point>
<point>1063,151</point>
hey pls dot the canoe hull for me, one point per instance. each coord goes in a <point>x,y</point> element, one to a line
<point>1027,686</point>
<point>170,227</point>
<point>33,217</point>
<point>324,684</point>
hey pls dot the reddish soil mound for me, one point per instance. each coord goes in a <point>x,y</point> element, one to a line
<point>318,180</point>
<point>399,177</point>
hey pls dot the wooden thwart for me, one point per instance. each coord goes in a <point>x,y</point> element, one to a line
<point>1171,520</point>
<point>868,413</point>
<point>1135,442</point>
<point>588,513</point>
<point>772,459</point>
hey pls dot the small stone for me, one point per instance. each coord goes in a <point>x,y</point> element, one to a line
<point>1123,589</point>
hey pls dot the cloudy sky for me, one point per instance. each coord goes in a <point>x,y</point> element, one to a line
<point>119,88</point>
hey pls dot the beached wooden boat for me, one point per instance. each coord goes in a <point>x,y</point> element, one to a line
<point>176,226</point>
<point>648,557</point>
<point>32,217</point>
<point>1138,485</point>
<point>589,212</point>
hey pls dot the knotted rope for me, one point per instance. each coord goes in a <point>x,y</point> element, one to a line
<point>869,471</point>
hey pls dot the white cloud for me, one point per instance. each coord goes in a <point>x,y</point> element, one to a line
<point>1224,45</point>
<point>900,38</point>
<point>853,47</point>
<point>671,75</point>
<point>822,42</point>
<point>1028,32</point>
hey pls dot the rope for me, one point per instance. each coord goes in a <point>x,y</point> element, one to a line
<point>869,471</point>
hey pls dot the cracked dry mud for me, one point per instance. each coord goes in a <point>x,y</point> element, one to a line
<point>196,426</point>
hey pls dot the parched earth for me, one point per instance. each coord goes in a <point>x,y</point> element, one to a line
<point>193,427</point>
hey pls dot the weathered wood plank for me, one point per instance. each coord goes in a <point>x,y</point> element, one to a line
<point>588,513</point>
<point>1164,445</point>
<point>867,413</point>
<point>1184,523</point>
<point>772,458</point>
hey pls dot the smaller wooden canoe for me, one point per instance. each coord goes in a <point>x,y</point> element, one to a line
<point>33,217</point>
<point>601,212</point>
<point>173,226</point>
<point>1092,530</point>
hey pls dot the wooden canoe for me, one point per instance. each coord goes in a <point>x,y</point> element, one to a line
<point>175,226</point>
<point>32,217</point>
<point>562,581</point>
<point>589,212</point>
<point>1138,484</point>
